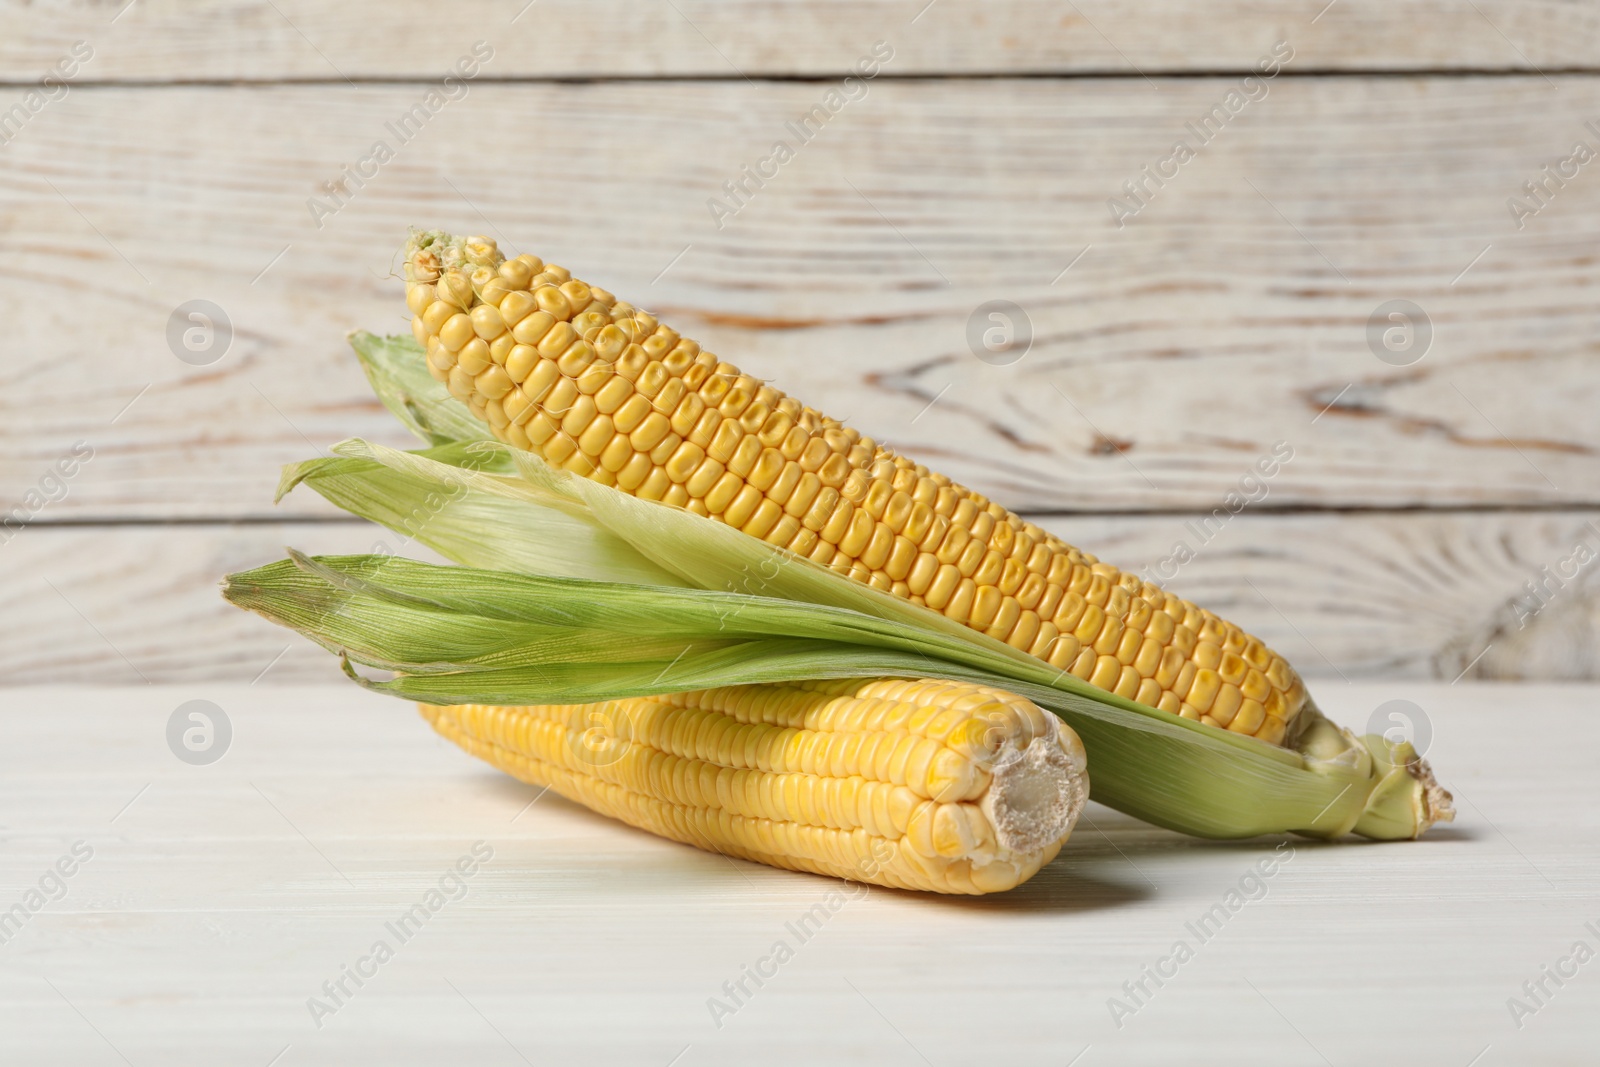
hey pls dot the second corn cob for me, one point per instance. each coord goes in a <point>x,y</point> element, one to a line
<point>602,389</point>
<point>941,786</point>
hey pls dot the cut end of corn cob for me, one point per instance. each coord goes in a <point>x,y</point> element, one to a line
<point>600,388</point>
<point>932,785</point>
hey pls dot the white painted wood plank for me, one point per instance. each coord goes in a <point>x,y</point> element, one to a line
<point>230,39</point>
<point>1231,314</point>
<point>222,897</point>
<point>1342,596</point>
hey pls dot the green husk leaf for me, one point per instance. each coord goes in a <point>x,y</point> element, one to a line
<point>397,369</point>
<point>450,499</point>
<point>462,635</point>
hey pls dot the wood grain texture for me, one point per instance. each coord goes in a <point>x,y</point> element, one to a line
<point>1230,314</point>
<point>230,39</point>
<point>218,899</point>
<point>1429,595</point>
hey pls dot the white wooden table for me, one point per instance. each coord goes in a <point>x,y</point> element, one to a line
<point>218,899</point>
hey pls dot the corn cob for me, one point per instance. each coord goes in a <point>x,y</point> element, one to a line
<point>941,786</point>
<point>599,387</point>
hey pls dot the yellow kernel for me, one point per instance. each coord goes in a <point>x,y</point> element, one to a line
<point>487,323</point>
<point>610,343</point>
<point>705,476</point>
<point>704,429</point>
<point>418,297</point>
<point>855,538</point>
<point>684,461</point>
<point>577,294</point>
<point>763,519</point>
<point>538,383</point>
<point>1226,703</point>
<point>1026,630</point>
<point>597,435</point>
<point>879,545</point>
<point>459,383</point>
<point>922,573</point>
<point>456,331</point>
<point>634,472</point>
<point>1204,690</point>
<point>454,288</point>
<point>609,397</point>
<point>560,397</point>
<point>1106,672</point>
<point>1251,718</point>
<point>722,495</point>
<point>788,478</point>
<point>821,510</point>
<point>437,314</point>
<point>474,357</point>
<point>493,383</point>
<point>651,432</point>
<point>960,606</point>
<point>805,491</point>
<point>540,428</point>
<point>552,300</point>
<point>515,435</point>
<point>516,405</point>
<point>532,329</point>
<point>516,274</point>
<point>901,557</point>
<point>687,413</point>
<point>1090,623</point>
<point>631,413</point>
<point>557,340</point>
<point>1110,636</point>
<point>729,435</point>
<point>1005,620</point>
<point>989,569</point>
<point>578,357</point>
<point>1063,651</point>
<point>500,348</point>
<point>768,466</point>
<point>578,417</point>
<point>616,453</point>
<point>985,607</point>
<point>515,307</point>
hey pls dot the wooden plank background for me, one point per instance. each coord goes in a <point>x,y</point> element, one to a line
<point>229,40</point>
<point>1229,314</point>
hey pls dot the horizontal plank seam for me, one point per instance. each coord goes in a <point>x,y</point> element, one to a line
<point>1285,511</point>
<point>811,79</point>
